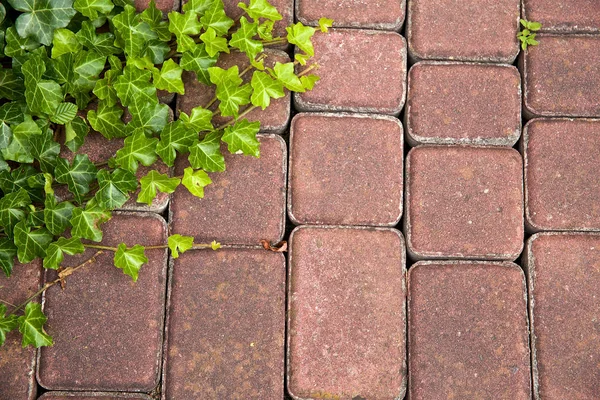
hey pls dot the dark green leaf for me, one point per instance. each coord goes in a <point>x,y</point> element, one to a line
<point>43,96</point>
<point>8,323</point>
<point>31,326</point>
<point>137,148</point>
<point>12,209</point>
<point>76,176</point>
<point>175,137</point>
<point>57,215</point>
<point>150,118</point>
<point>45,150</point>
<point>102,44</point>
<point>8,252</point>
<point>132,31</point>
<point>41,17</point>
<point>134,87</point>
<point>75,133</point>
<point>31,244</point>
<point>107,120</point>
<point>11,85</point>
<point>114,188</point>
<point>57,250</point>
<point>157,51</point>
<point>21,145</point>
<point>21,178</point>
<point>86,222</point>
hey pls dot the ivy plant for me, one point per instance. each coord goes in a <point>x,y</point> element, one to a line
<point>70,67</point>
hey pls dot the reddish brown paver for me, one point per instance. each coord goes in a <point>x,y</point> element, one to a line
<point>107,329</point>
<point>574,16</point>
<point>564,277</point>
<point>468,331</point>
<point>469,30</point>
<point>346,314</point>
<point>562,159</point>
<point>378,14</point>
<point>360,183</point>
<point>92,396</point>
<point>226,326</point>
<point>360,70</point>
<point>17,364</point>
<point>243,205</point>
<point>163,5</point>
<point>464,202</point>
<point>561,76</point>
<point>273,119</point>
<point>463,103</point>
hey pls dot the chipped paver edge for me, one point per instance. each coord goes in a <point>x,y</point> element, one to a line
<point>290,209</point>
<point>404,383</point>
<point>50,395</point>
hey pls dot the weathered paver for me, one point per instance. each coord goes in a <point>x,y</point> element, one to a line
<point>226,326</point>
<point>346,314</point>
<point>463,103</point>
<point>163,5</point>
<point>17,364</point>
<point>575,16</point>
<point>107,329</point>
<point>360,183</point>
<point>243,205</point>
<point>92,396</point>
<point>564,276</point>
<point>562,159</point>
<point>464,202</point>
<point>468,332</point>
<point>360,70</point>
<point>468,30</point>
<point>561,76</point>
<point>273,119</point>
<point>378,14</point>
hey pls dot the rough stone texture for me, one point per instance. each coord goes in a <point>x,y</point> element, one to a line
<point>463,103</point>
<point>273,119</point>
<point>469,30</point>
<point>562,189</point>
<point>360,183</point>
<point>574,16</point>
<point>17,364</point>
<point>346,314</point>
<point>107,329</point>
<point>561,76</point>
<point>464,202</point>
<point>378,14</point>
<point>243,205</point>
<point>564,276</point>
<point>163,5</point>
<point>226,326</point>
<point>468,332</point>
<point>92,396</point>
<point>360,70</point>
<point>285,8</point>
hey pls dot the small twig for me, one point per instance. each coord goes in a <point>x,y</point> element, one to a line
<point>231,122</point>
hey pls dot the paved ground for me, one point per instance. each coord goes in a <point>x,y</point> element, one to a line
<point>428,121</point>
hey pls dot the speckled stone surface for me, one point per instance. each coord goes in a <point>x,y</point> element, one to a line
<point>163,5</point>
<point>284,7</point>
<point>107,329</point>
<point>273,119</point>
<point>346,314</point>
<point>561,76</point>
<point>243,205</point>
<point>468,332</point>
<point>464,202</point>
<point>92,396</point>
<point>574,16</point>
<point>562,160</point>
<point>360,70</point>
<point>226,326</point>
<point>463,103</point>
<point>378,14</point>
<point>564,277</point>
<point>17,364</point>
<point>360,183</point>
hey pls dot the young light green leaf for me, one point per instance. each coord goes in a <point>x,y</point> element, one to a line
<point>57,215</point>
<point>31,244</point>
<point>114,187</point>
<point>284,73</point>
<point>207,155</point>
<point>154,18</point>
<point>214,44</point>
<point>309,81</point>
<point>64,42</point>
<point>91,8</point>
<point>177,136</point>
<point>41,17</point>
<point>197,60</point>
<point>178,243</point>
<point>197,6</point>
<point>137,148</point>
<point>265,88</point>
<point>130,260</point>
<point>261,9</point>
<point>12,209</point>
<point>153,182</point>
<point>301,35</point>
<point>31,326</point>
<point>169,78</point>
<point>183,25</point>
<point>325,24</point>
<point>243,39</point>
<point>230,91</point>
<point>21,145</point>
<point>76,176</point>
<point>64,113</point>
<point>86,222</point>
<point>8,323</point>
<point>215,245</point>
<point>8,252</point>
<point>265,30</point>
<point>301,58</point>
<point>200,119</point>
<point>11,85</point>
<point>195,181</point>
<point>242,137</point>
<point>216,18</point>
<point>75,133</point>
<point>57,250</point>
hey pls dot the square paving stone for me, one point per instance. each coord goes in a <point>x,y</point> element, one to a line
<point>463,103</point>
<point>464,202</point>
<point>17,364</point>
<point>564,276</point>
<point>561,76</point>
<point>467,30</point>
<point>378,14</point>
<point>346,314</point>
<point>468,331</point>
<point>243,205</point>
<point>107,329</point>
<point>345,169</point>
<point>226,326</point>
<point>360,70</point>
<point>273,119</point>
<point>562,159</point>
<point>92,396</point>
<point>574,16</point>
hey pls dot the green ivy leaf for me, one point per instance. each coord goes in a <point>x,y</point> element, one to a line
<point>17,45</point>
<point>86,222</point>
<point>89,64</point>
<point>43,96</point>
<point>243,39</point>
<point>178,243</point>
<point>200,119</point>
<point>19,149</point>
<point>150,118</point>
<point>169,78</point>
<point>31,244</point>
<point>22,177</point>
<point>325,24</point>
<point>284,73</point>
<point>132,31</point>
<point>137,147</point>
<point>157,51</point>
<point>206,154</point>
<point>65,112</point>
<point>308,81</point>
<point>11,85</point>
<point>104,88</point>
<point>197,60</point>
<point>261,9</point>
<point>242,137</point>
<point>8,252</point>
<point>230,91</point>
<point>216,18</point>
<point>154,18</point>
<point>45,150</point>
<point>197,6</point>
<point>91,8</point>
<point>12,113</point>
<point>175,137</point>
<point>8,323</point>
<point>183,25</point>
<point>64,42</point>
<point>130,260</point>
<point>31,326</point>
<point>134,87</point>
<point>301,35</point>
<point>153,182</point>
<point>102,44</point>
<point>41,17</point>
<point>12,207</point>
<point>75,133</point>
<point>265,88</point>
<point>57,215</point>
<point>107,120</point>
<point>76,176</point>
<point>57,250</point>
<point>195,181</point>
<point>113,188</point>
<point>213,44</point>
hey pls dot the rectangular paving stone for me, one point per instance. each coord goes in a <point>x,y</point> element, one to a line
<point>107,329</point>
<point>226,326</point>
<point>463,103</point>
<point>273,119</point>
<point>345,169</point>
<point>563,272</point>
<point>378,14</point>
<point>346,314</point>
<point>243,205</point>
<point>17,364</point>
<point>468,30</point>
<point>92,396</point>
<point>574,16</point>
<point>561,76</point>
<point>360,70</point>
<point>562,189</point>
<point>464,202</point>
<point>468,331</point>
